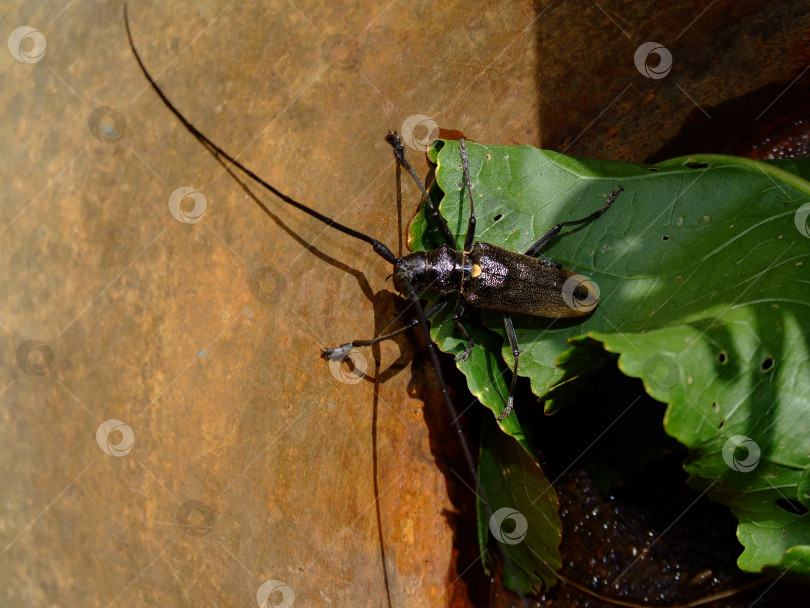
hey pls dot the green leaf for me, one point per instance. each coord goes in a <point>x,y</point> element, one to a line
<point>703,275</point>
<point>518,492</point>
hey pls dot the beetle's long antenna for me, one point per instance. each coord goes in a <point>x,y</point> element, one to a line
<point>413,296</point>
<point>379,247</point>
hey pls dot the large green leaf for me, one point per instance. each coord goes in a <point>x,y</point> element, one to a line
<point>701,266</point>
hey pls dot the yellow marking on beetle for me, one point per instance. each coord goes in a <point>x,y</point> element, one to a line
<point>476,271</point>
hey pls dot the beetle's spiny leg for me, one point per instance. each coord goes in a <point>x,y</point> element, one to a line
<point>516,352</point>
<point>457,312</point>
<point>340,352</point>
<point>399,152</point>
<point>465,168</point>
<point>543,240</point>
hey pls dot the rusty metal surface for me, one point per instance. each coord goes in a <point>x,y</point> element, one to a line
<point>238,458</point>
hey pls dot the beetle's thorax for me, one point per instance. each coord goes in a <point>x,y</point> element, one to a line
<point>441,270</point>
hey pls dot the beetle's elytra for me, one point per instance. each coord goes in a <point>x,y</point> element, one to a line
<point>493,278</point>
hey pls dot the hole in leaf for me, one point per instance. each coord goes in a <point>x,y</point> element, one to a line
<point>489,156</point>
<point>695,165</point>
<point>767,364</point>
<point>722,424</point>
<point>721,357</point>
<point>791,506</point>
<point>497,217</point>
<point>665,237</point>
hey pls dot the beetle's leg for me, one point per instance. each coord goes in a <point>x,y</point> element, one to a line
<point>457,312</point>
<point>510,334</point>
<point>543,241</point>
<point>399,152</point>
<point>465,168</point>
<point>339,352</point>
<point>480,491</point>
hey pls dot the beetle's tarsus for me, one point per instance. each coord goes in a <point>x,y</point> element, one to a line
<point>506,411</point>
<point>395,141</point>
<point>339,352</point>
<point>463,356</point>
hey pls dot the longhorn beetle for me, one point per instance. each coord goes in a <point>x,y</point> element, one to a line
<point>481,274</point>
<point>485,276</point>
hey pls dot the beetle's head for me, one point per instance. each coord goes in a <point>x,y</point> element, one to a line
<point>412,268</point>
